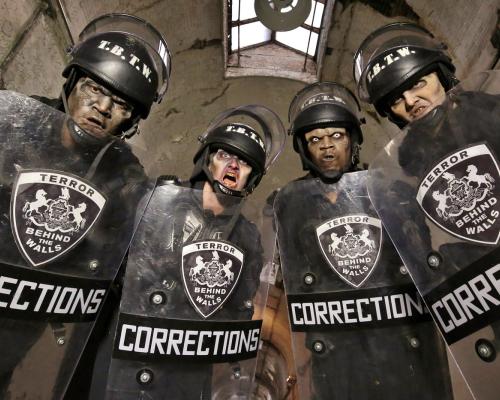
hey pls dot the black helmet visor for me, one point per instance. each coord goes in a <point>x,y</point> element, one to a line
<point>260,119</point>
<point>154,42</point>
<point>323,93</point>
<point>384,48</point>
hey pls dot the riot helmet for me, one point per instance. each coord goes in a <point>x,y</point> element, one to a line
<point>324,105</point>
<point>392,59</point>
<point>253,133</point>
<point>125,54</point>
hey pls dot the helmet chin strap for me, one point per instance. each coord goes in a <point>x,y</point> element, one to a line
<point>220,188</point>
<point>83,138</point>
<point>133,130</point>
<point>64,101</point>
<point>355,148</point>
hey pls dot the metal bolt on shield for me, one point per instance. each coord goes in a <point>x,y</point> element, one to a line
<point>318,346</point>
<point>145,377</point>
<point>308,279</point>
<point>157,299</point>
<point>433,260</point>
<point>93,265</point>
<point>486,350</point>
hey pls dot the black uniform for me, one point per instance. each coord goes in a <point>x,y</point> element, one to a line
<point>470,117</point>
<point>32,140</point>
<point>439,254</point>
<point>172,220</point>
<point>392,358</point>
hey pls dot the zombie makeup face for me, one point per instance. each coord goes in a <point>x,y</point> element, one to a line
<point>419,100</point>
<point>329,148</point>
<point>96,110</point>
<point>229,170</point>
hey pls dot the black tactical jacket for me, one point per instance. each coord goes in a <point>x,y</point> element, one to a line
<point>405,360</point>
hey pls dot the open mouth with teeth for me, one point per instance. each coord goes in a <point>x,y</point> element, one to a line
<point>230,179</point>
<point>419,111</point>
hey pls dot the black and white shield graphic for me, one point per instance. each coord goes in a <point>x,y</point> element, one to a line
<point>51,212</point>
<point>210,271</point>
<point>461,193</point>
<point>351,244</point>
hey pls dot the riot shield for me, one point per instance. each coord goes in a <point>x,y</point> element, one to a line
<point>67,218</point>
<point>436,189</point>
<point>359,328</point>
<point>192,301</point>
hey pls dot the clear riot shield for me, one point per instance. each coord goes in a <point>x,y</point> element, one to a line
<point>436,187</point>
<point>67,218</point>
<point>192,301</point>
<point>360,329</point>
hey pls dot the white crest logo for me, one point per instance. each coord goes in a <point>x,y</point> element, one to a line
<point>51,212</point>
<point>55,214</point>
<point>210,272</point>
<point>351,245</point>
<point>460,194</point>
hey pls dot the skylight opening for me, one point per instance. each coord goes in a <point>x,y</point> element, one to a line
<point>247,10</point>
<point>298,39</point>
<point>318,14</point>
<point>253,49</point>
<point>251,34</point>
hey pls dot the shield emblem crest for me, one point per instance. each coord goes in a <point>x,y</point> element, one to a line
<point>460,194</point>
<point>351,245</point>
<point>51,212</point>
<point>210,271</point>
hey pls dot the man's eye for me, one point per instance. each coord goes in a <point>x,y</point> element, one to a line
<point>225,155</point>
<point>397,101</point>
<point>337,135</point>
<point>314,140</point>
<point>123,105</point>
<point>94,88</point>
<point>419,84</point>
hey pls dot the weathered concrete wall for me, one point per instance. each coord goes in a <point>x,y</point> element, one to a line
<point>31,48</point>
<point>466,27</point>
